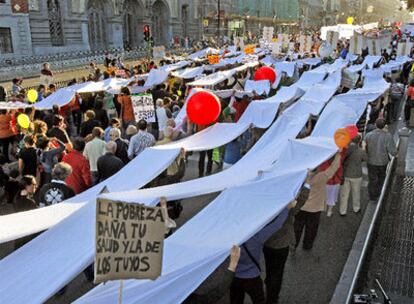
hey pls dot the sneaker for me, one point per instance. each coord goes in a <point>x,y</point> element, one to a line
<point>330,211</point>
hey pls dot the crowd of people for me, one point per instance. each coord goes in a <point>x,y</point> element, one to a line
<point>69,149</point>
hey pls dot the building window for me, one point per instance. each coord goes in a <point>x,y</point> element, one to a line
<point>55,22</point>
<point>6,45</point>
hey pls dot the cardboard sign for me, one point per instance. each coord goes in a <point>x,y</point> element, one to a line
<point>239,42</point>
<point>158,52</point>
<point>129,241</point>
<point>276,48</point>
<point>268,33</point>
<point>332,38</point>
<point>305,44</point>
<point>356,44</point>
<point>143,107</point>
<point>374,46</point>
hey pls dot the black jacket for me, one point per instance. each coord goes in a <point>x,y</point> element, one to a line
<point>108,165</point>
<point>87,127</point>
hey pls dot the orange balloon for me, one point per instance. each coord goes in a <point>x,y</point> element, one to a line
<point>342,138</point>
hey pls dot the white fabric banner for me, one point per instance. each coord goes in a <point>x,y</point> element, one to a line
<point>188,73</point>
<point>156,77</point>
<point>203,53</point>
<point>260,87</point>
<point>71,241</point>
<point>285,66</point>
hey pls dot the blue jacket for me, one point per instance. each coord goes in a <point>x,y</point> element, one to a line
<point>246,268</point>
<point>232,152</point>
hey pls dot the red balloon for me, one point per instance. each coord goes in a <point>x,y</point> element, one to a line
<point>353,131</point>
<point>203,108</point>
<point>265,73</point>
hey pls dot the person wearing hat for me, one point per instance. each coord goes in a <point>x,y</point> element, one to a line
<point>131,131</point>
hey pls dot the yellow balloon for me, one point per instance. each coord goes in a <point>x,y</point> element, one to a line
<point>350,20</point>
<point>32,95</point>
<point>179,93</point>
<point>23,120</point>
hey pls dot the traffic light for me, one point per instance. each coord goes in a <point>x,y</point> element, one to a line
<point>147,32</point>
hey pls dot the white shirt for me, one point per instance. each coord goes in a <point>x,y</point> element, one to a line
<point>93,150</point>
<point>162,118</point>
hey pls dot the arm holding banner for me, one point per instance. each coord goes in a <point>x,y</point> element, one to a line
<point>169,223</point>
<point>211,291</point>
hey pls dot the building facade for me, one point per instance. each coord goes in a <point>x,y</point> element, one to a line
<point>39,27</point>
<point>14,29</point>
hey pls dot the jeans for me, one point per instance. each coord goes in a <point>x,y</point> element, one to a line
<point>394,107</point>
<point>201,162</point>
<point>376,178</point>
<point>350,185</point>
<point>308,221</point>
<point>275,260</point>
<point>253,287</point>
<point>77,119</point>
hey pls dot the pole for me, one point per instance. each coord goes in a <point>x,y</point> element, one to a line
<point>121,286</point>
<point>218,19</point>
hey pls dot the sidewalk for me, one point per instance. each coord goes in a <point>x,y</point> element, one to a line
<point>392,260</point>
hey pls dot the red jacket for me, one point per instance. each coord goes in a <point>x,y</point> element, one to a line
<point>338,177</point>
<point>240,108</point>
<point>80,178</point>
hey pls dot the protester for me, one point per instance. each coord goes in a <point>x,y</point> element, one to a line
<point>333,185</point>
<point>121,145</point>
<point>380,146</point>
<point>114,123</point>
<point>59,131</point>
<point>130,132</point>
<point>93,151</point>
<point>396,95</point>
<point>168,134</point>
<point>49,119</point>
<point>56,191</point>
<point>163,113</point>
<point>247,277</point>
<point>276,249</point>
<point>309,215</point>
<point>354,158</point>
<point>49,156</point>
<point>410,102</point>
<point>214,287</point>
<point>100,114</point>
<point>12,185</point>
<point>232,153</point>
<point>109,164</point>
<point>90,123</point>
<point>24,199</point>
<point>140,141</point>
<point>28,161</point>
<point>80,179</point>
<point>127,109</point>
<point>16,85</point>
<point>7,134</point>
<point>3,94</point>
